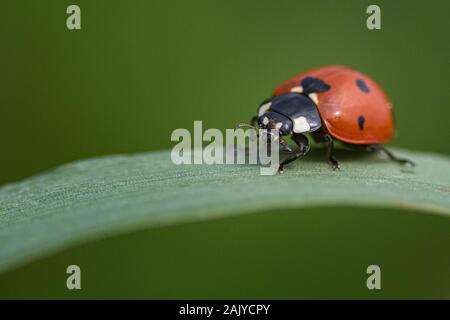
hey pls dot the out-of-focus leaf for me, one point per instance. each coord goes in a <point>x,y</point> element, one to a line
<point>94,198</point>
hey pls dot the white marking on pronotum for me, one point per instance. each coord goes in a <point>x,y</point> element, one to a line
<point>265,121</point>
<point>278,125</point>
<point>301,125</point>
<point>264,108</point>
<point>314,97</point>
<point>298,89</point>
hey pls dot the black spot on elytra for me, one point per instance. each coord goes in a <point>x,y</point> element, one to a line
<point>312,85</point>
<point>361,121</point>
<point>362,86</point>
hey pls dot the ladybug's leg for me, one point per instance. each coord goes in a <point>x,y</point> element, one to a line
<point>391,156</point>
<point>330,152</point>
<point>303,144</point>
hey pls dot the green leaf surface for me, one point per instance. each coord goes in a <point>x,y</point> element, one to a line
<point>95,198</point>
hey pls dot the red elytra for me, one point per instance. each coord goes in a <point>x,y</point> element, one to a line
<point>352,96</point>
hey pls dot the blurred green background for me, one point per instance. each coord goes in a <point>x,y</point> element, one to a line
<point>137,70</point>
<point>312,254</point>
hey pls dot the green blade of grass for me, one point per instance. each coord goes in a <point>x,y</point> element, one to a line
<point>94,198</point>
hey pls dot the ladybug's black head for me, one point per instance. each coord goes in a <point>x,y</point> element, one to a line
<point>274,120</point>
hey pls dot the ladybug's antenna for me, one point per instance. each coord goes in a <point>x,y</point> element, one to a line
<point>243,125</point>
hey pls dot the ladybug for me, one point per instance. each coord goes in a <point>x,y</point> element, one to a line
<point>332,103</point>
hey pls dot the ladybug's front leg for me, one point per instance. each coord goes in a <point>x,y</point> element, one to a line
<point>303,144</point>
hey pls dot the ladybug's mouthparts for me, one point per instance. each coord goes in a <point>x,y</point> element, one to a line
<point>270,135</point>
<point>285,145</point>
